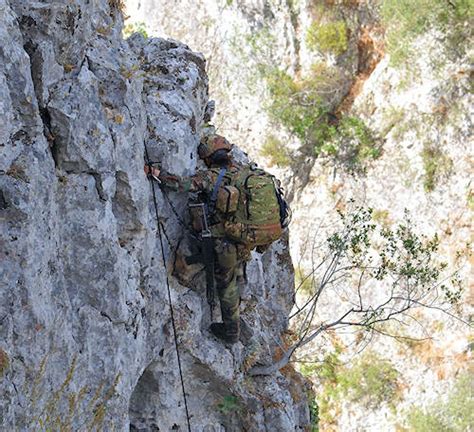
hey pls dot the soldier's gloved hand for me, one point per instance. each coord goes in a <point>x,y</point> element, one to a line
<point>153,172</point>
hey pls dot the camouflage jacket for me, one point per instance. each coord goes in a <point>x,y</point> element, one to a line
<point>203,181</point>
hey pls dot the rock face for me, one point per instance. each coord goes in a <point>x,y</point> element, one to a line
<point>235,35</point>
<point>86,341</point>
<point>422,114</point>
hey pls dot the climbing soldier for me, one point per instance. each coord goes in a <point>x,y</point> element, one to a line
<point>240,208</point>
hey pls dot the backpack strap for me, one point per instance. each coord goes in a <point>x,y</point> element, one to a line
<point>213,200</point>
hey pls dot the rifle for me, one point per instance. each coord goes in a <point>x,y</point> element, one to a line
<point>207,255</point>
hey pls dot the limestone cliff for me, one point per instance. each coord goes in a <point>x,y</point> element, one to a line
<point>421,113</point>
<point>86,341</point>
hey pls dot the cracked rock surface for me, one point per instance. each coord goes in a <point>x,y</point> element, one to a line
<point>86,341</point>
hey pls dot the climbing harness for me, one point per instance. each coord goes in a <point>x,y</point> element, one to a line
<point>161,230</point>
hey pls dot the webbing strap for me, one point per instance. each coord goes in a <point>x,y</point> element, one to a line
<point>213,200</point>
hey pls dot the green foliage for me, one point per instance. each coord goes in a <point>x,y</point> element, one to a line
<point>402,256</point>
<point>276,152</point>
<point>304,108</point>
<point>305,105</point>
<point>382,217</point>
<point>436,165</point>
<point>328,38</point>
<point>352,144</point>
<point>228,405</point>
<point>313,413</point>
<point>421,421</point>
<point>327,373</point>
<point>297,106</point>
<point>261,44</point>
<point>370,381</point>
<point>137,27</point>
<point>407,19</point>
<point>410,277</point>
<point>454,415</point>
<point>303,281</point>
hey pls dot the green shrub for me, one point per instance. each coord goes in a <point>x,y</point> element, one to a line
<point>138,27</point>
<point>313,413</point>
<point>296,105</point>
<point>328,38</point>
<point>228,405</point>
<point>407,19</point>
<point>352,144</point>
<point>303,108</point>
<point>326,372</point>
<point>436,166</point>
<point>454,415</point>
<point>276,152</point>
<point>305,105</point>
<point>371,381</point>
<point>460,407</point>
<point>420,421</point>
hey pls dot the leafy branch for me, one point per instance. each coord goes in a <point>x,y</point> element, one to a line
<point>382,274</point>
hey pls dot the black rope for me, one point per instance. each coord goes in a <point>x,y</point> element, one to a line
<point>160,230</point>
<point>178,217</point>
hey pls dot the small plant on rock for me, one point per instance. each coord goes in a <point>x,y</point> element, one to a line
<point>137,27</point>
<point>229,404</point>
<point>276,152</point>
<point>331,38</point>
<point>436,165</point>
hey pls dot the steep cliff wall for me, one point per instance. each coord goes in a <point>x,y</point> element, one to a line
<point>421,114</point>
<point>85,339</point>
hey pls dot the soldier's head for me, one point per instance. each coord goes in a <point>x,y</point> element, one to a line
<point>215,151</point>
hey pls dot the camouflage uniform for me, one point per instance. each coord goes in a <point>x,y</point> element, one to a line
<point>228,255</point>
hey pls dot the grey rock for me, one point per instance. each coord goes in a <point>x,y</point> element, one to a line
<point>84,310</point>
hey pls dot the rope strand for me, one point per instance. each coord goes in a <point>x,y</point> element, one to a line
<point>160,234</point>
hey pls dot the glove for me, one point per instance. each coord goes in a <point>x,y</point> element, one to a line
<point>152,172</point>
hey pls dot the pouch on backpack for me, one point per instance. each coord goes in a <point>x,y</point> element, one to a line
<point>227,199</point>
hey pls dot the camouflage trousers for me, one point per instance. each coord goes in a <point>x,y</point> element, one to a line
<point>229,258</point>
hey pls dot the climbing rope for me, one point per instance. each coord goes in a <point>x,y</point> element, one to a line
<point>161,230</point>
<point>178,217</point>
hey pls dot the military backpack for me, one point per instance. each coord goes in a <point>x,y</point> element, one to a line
<point>253,208</point>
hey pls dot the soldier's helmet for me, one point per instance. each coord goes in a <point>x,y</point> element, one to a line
<point>213,144</point>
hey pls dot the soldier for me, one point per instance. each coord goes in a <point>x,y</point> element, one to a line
<point>228,255</point>
<point>244,209</point>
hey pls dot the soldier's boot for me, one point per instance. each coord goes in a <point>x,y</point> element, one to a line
<point>228,333</point>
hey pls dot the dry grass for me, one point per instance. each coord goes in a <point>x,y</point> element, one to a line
<point>4,363</point>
